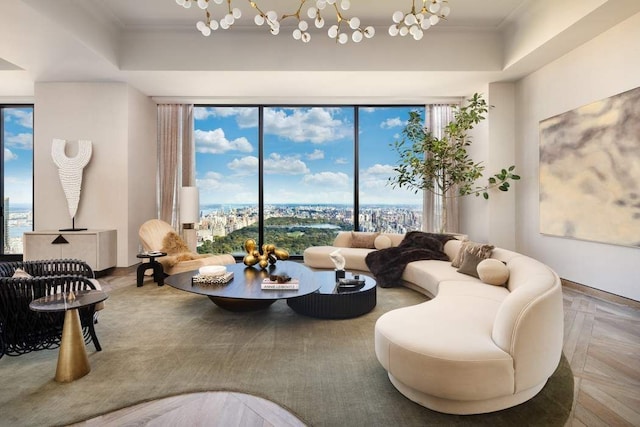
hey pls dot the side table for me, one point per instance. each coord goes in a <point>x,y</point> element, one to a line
<point>332,302</point>
<point>73,362</point>
<point>158,272</point>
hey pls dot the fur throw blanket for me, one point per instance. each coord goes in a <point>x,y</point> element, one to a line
<point>177,250</point>
<point>387,265</point>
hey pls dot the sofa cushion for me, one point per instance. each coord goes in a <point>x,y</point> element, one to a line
<point>318,257</point>
<point>470,263</point>
<point>444,348</point>
<point>382,242</point>
<point>363,240</point>
<point>481,249</point>
<point>427,274</point>
<point>493,272</point>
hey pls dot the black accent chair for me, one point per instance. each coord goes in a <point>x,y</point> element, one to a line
<point>23,330</point>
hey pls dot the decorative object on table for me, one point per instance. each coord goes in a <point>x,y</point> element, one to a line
<point>441,164</point>
<point>70,173</point>
<point>339,262</point>
<point>189,215</point>
<point>219,279</point>
<point>589,175</point>
<point>213,274</point>
<point>270,254</point>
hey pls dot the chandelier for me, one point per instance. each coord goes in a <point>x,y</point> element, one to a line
<point>413,23</point>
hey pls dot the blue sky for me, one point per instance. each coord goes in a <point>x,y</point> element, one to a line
<point>18,155</point>
<point>309,154</point>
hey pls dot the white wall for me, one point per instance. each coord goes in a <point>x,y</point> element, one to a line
<point>602,67</point>
<point>492,144</point>
<point>117,189</point>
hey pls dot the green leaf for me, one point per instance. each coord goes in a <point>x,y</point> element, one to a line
<point>485,195</point>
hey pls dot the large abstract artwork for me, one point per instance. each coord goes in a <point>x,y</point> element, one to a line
<point>590,172</point>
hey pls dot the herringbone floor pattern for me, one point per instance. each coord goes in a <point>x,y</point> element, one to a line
<point>602,344</point>
<point>601,341</point>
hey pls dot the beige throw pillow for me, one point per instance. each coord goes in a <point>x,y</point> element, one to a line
<point>363,240</point>
<point>382,242</point>
<point>493,272</point>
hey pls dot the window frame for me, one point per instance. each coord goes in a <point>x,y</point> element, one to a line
<point>4,256</point>
<point>356,150</point>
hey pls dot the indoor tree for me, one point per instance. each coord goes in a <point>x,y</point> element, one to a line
<point>439,165</point>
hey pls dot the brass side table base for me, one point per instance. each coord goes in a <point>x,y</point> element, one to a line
<point>73,362</point>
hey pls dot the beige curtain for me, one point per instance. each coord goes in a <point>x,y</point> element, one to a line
<point>176,158</point>
<point>437,117</point>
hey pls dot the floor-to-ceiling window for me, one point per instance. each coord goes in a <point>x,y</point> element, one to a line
<point>295,176</point>
<point>383,208</point>
<point>16,134</point>
<point>308,175</point>
<point>227,163</point>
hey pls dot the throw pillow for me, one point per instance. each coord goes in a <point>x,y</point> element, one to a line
<point>382,242</point>
<point>20,273</point>
<point>172,243</point>
<point>481,249</point>
<point>470,264</point>
<point>493,272</point>
<point>363,240</point>
<point>457,261</point>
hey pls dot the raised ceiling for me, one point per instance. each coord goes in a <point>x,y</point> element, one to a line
<point>153,46</point>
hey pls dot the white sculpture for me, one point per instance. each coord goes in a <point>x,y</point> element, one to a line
<point>338,259</point>
<point>70,171</point>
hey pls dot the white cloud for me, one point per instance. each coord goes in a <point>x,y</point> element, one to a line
<point>211,180</point>
<point>341,161</point>
<point>215,187</point>
<point>368,109</point>
<point>316,155</point>
<point>328,179</point>
<point>21,116</point>
<point>8,155</point>
<point>376,176</point>
<point>215,142</point>
<point>246,117</point>
<point>22,141</point>
<point>247,165</point>
<point>287,165</point>
<point>393,122</point>
<point>316,125</point>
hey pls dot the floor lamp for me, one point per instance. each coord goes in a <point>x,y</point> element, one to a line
<point>189,215</point>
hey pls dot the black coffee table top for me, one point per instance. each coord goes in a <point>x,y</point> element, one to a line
<point>246,283</point>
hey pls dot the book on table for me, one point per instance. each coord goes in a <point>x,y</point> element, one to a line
<point>292,284</point>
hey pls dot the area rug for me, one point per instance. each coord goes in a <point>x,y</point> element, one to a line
<point>158,342</point>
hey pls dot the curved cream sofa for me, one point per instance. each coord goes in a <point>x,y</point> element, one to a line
<point>474,347</point>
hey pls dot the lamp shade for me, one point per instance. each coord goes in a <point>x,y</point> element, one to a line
<point>189,205</point>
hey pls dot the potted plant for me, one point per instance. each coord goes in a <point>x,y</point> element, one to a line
<point>440,165</point>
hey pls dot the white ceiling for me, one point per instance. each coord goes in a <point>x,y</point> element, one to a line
<point>166,13</point>
<point>153,46</point>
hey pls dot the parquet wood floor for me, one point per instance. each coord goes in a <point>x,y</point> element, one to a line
<point>601,342</point>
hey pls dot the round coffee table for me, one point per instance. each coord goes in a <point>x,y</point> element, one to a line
<point>244,292</point>
<point>332,302</point>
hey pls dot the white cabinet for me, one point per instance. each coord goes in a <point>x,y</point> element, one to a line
<point>95,247</point>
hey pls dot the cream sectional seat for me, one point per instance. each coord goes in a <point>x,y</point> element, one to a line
<point>474,347</point>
